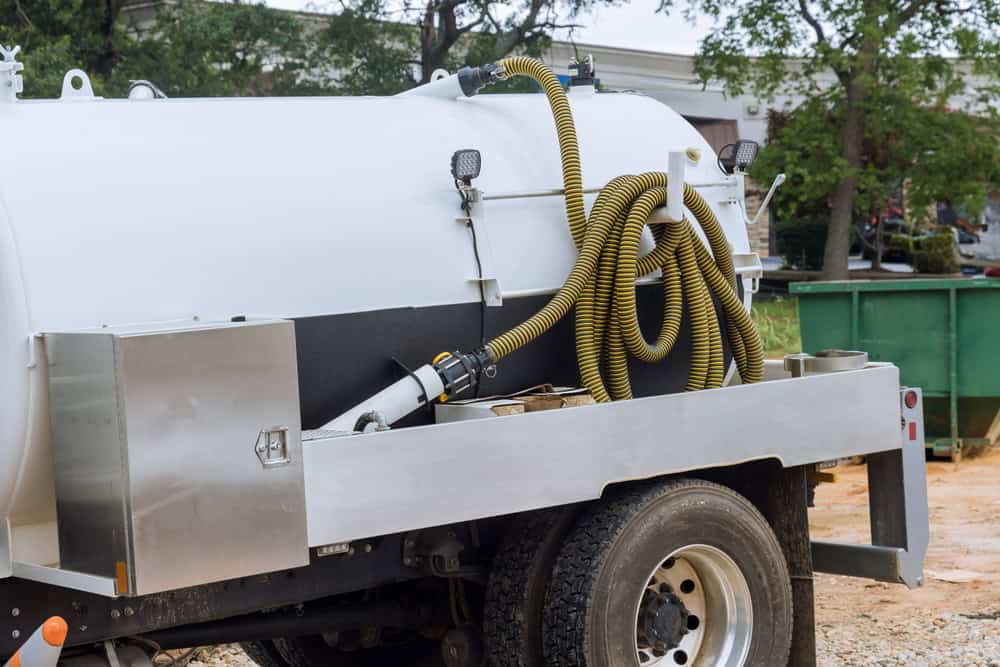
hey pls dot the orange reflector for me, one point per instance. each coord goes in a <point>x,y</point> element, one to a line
<point>16,660</point>
<point>121,575</point>
<point>913,431</point>
<point>54,631</point>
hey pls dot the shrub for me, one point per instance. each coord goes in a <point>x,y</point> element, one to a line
<point>801,243</point>
<point>935,253</point>
<point>898,248</point>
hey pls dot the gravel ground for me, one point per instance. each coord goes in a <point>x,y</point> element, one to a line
<point>229,655</point>
<point>926,639</point>
<point>953,621</point>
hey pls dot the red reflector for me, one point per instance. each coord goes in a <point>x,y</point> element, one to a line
<point>910,399</point>
<point>913,431</point>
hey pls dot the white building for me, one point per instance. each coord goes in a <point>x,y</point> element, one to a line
<point>670,78</point>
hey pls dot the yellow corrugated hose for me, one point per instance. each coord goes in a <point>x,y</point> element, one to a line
<point>602,282</point>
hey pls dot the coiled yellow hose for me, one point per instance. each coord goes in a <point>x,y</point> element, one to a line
<point>602,282</point>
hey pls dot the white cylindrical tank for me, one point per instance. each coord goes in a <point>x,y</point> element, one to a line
<point>125,212</point>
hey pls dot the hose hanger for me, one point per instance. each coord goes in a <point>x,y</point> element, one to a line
<point>601,284</point>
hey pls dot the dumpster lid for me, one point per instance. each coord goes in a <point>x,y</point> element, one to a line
<point>903,285</point>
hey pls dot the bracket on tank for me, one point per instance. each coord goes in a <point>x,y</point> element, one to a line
<point>11,81</point>
<point>76,86</point>
<point>476,221</point>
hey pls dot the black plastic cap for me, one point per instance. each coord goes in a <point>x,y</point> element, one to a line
<point>474,79</point>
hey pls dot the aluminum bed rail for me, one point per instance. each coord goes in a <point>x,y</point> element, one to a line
<point>381,483</point>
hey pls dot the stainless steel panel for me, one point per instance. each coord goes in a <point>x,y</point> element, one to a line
<point>472,469</point>
<point>155,441</point>
<point>76,581</point>
<point>89,454</point>
<point>897,507</point>
<point>6,549</point>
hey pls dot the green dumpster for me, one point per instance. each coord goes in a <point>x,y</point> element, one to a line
<point>943,334</point>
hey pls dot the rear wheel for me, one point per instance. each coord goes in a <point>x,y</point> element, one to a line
<point>264,653</point>
<point>684,572</point>
<point>515,594</point>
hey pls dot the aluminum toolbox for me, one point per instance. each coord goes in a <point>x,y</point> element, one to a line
<point>177,453</point>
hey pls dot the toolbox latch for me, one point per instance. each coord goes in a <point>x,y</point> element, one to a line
<point>272,447</point>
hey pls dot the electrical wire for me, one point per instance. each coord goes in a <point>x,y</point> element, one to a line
<point>467,209</point>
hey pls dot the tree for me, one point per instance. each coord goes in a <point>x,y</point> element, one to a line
<point>447,34</point>
<point>498,27</point>
<point>233,48</point>
<point>58,36</point>
<point>362,50</point>
<point>857,62</point>
<point>192,48</point>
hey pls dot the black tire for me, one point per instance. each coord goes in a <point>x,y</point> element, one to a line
<point>515,595</point>
<point>605,564</point>
<point>264,653</point>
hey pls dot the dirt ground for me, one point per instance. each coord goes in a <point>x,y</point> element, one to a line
<point>955,618</point>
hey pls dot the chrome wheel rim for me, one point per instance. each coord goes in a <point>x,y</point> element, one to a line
<point>700,595</point>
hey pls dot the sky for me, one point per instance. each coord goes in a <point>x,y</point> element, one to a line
<point>634,25</point>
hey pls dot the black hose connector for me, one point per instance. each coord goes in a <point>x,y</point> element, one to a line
<point>371,417</point>
<point>461,372</point>
<point>474,79</point>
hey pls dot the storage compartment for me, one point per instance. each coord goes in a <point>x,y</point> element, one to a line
<point>177,453</point>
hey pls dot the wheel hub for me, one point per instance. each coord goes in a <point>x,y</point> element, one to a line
<point>663,619</point>
<point>694,610</point>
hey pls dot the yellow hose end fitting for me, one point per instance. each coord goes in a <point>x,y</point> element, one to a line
<point>439,357</point>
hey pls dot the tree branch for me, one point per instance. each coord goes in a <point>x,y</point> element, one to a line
<point>23,14</point>
<point>471,26</point>
<point>811,20</point>
<point>911,10</point>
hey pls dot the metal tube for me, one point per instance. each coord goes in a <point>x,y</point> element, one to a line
<point>953,367</point>
<point>855,319</point>
<point>395,401</point>
<point>676,161</point>
<point>559,192</point>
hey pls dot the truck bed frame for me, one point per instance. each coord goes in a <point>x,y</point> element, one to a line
<point>361,512</point>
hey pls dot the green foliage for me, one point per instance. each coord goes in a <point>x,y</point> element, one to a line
<point>242,47</point>
<point>221,48</point>
<point>942,154</point>
<point>778,323</point>
<point>899,245</point>
<point>936,253</point>
<point>366,52</point>
<point>59,35</point>
<point>879,97</point>
<point>195,48</point>
<point>807,149</point>
<point>800,242</point>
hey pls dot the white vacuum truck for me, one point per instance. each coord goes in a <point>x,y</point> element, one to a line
<point>227,416</point>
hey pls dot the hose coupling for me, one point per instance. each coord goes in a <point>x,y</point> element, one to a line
<point>474,79</point>
<point>371,417</point>
<point>461,372</point>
